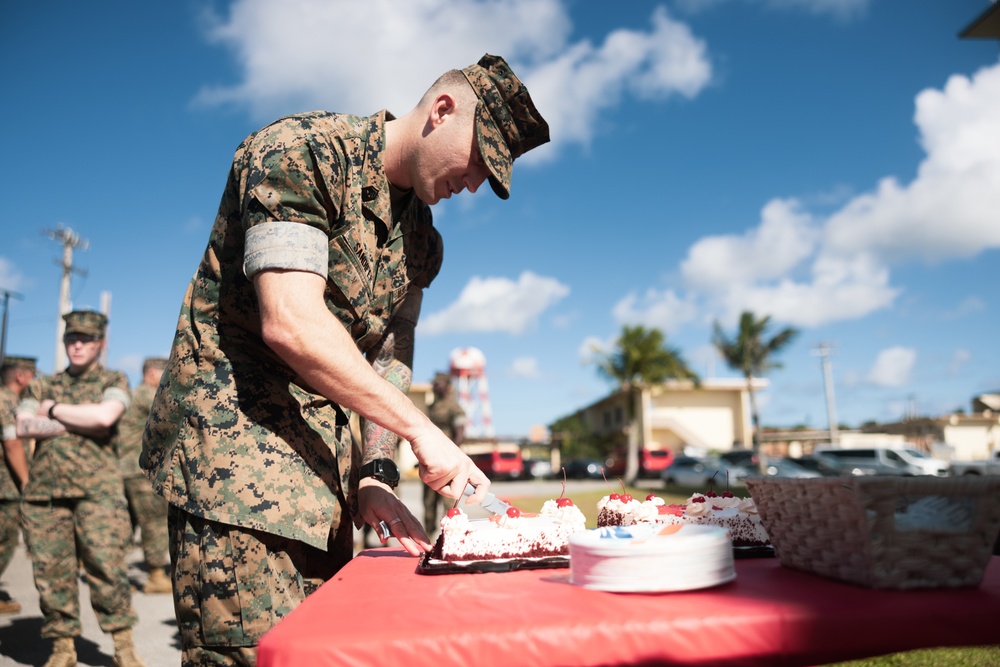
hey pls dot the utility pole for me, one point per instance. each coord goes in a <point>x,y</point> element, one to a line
<point>824,350</point>
<point>3,332</point>
<point>69,240</point>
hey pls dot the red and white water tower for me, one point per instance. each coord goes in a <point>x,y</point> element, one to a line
<point>468,371</point>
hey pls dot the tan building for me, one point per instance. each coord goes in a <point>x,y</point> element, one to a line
<point>713,416</point>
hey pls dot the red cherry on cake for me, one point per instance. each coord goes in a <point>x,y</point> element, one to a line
<point>712,494</point>
<point>728,494</point>
<point>626,497</point>
<point>564,502</point>
<point>615,496</point>
<point>513,512</point>
<point>698,499</point>
<point>453,512</point>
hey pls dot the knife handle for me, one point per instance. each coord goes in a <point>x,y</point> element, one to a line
<point>469,489</point>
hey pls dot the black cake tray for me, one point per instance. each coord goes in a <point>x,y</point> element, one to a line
<point>428,565</point>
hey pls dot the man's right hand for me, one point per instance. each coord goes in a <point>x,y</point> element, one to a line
<point>446,468</point>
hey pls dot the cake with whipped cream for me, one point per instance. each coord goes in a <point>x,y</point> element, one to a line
<point>737,515</point>
<point>650,557</point>
<point>515,534</point>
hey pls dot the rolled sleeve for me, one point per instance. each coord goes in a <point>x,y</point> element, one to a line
<point>286,245</point>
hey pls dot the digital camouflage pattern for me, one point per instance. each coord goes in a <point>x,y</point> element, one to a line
<point>74,510</point>
<point>446,414</point>
<point>88,322</point>
<point>232,586</point>
<point>147,509</point>
<point>507,122</point>
<point>8,415</point>
<point>64,532</point>
<point>72,465</point>
<point>234,435</point>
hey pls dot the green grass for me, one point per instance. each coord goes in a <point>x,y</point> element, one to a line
<point>982,656</point>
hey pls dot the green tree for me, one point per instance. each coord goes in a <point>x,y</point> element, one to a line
<point>640,357</point>
<point>753,355</point>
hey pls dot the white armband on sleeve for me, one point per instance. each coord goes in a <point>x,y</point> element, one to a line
<point>286,245</point>
<point>28,406</point>
<point>9,432</point>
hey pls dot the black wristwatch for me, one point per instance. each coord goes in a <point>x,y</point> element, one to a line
<point>384,470</point>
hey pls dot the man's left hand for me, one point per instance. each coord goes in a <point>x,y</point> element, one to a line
<point>377,502</point>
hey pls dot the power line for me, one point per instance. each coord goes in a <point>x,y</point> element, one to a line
<point>824,350</point>
<point>70,240</point>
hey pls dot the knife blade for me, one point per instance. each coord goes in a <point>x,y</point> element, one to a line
<point>491,503</point>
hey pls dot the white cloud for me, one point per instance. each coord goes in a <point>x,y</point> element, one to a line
<point>839,9</point>
<point>593,347</point>
<point>892,367</point>
<point>497,304</point>
<point>292,57</point>
<point>664,310</point>
<point>809,272</point>
<point>785,238</point>
<point>524,367</point>
<point>952,208</point>
<point>968,306</point>
<point>10,277</point>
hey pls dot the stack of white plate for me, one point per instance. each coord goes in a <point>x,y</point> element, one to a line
<point>642,559</point>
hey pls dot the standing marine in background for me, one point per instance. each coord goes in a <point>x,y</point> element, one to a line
<point>74,508</point>
<point>147,509</point>
<point>16,374</point>
<point>447,415</point>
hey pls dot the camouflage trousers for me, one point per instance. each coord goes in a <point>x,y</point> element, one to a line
<point>148,512</point>
<point>231,584</point>
<point>10,531</point>
<point>67,531</point>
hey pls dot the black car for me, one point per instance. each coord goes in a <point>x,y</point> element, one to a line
<point>742,458</point>
<point>584,469</point>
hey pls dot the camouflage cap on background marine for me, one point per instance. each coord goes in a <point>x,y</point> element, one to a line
<point>507,123</point>
<point>154,362</point>
<point>26,363</point>
<point>89,322</point>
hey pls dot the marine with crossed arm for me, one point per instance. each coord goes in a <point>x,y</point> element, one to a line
<point>74,509</point>
<point>302,312</point>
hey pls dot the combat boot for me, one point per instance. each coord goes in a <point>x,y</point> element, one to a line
<point>126,654</point>
<point>63,653</point>
<point>158,582</point>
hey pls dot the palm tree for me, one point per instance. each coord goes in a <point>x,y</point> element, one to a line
<point>641,357</point>
<point>752,355</point>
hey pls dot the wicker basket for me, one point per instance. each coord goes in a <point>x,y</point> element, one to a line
<point>883,532</point>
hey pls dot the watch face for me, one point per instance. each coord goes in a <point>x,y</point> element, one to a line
<point>388,470</point>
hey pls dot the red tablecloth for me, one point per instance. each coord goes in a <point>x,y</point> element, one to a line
<point>377,611</point>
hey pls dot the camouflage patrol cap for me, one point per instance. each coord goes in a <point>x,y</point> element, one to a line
<point>507,123</point>
<point>158,363</point>
<point>88,322</point>
<point>25,363</point>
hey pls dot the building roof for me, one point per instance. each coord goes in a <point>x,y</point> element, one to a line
<point>986,25</point>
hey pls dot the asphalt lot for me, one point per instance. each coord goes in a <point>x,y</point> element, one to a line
<point>156,634</point>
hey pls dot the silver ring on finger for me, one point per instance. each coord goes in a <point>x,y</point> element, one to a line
<point>395,521</point>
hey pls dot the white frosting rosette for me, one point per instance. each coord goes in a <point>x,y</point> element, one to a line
<point>568,514</point>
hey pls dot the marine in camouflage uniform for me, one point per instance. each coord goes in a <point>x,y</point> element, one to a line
<point>448,416</point>
<point>16,374</point>
<point>74,508</point>
<point>249,436</point>
<point>147,509</point>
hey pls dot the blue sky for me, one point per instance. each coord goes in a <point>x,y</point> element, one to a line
<point>834,163</point>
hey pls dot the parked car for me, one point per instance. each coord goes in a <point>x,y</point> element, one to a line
<point>584,469</point>
<point>990,466</point>
<point>538,468</point>
<point>501,464</point>
<point>824,465</point>
<point>743,458</point>
<point>872,461</point>
<point>652,462</point>
<point>782,467</point>
<point>695,472</point>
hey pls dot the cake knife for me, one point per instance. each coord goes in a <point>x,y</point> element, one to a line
<point>491,503</point>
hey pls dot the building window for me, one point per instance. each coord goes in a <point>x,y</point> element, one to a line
<point>607,419</point>
<point>618,415</point>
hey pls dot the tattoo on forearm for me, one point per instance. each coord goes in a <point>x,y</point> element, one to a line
<point>392,359</point>
<point>380,443</point>
<point>38,427</point>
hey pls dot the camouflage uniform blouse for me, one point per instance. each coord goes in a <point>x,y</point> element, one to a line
<point>71,465</point>
<point>446,414</point>
<point>130,427</point>
<point>234,435</point>
<point>8,407</point>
